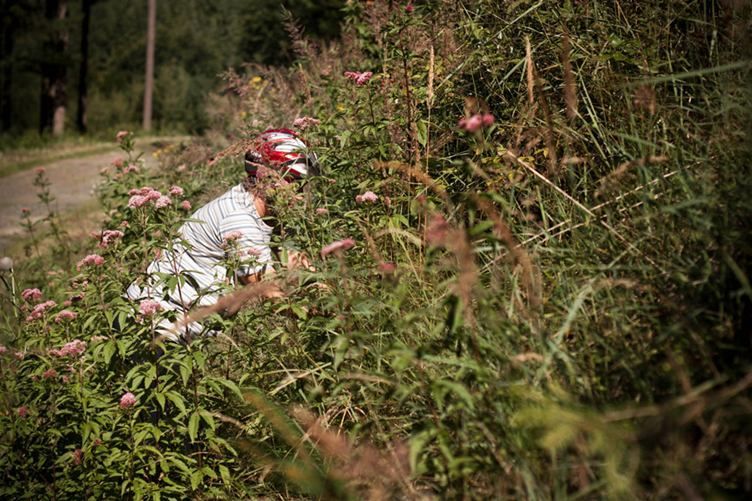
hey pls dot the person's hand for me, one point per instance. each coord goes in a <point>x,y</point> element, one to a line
<point>298,260</point>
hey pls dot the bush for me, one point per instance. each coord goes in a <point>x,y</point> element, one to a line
<point>530,276</point>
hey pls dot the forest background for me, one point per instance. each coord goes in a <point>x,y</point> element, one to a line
<point>100,61</point>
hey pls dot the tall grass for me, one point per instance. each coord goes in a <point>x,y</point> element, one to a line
<point>552,305</point>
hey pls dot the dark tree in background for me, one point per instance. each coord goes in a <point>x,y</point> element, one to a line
<point>97,49</point>
<point>54,69</point>
<point>151,33</point>
<point>83,66</point>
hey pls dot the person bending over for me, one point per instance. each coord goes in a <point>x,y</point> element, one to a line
<point>230,226</point>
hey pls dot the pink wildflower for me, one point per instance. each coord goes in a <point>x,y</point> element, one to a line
<point>130,168</point>
<point>25,211</point>
<point>437,230</point>
<point>409,8</point>
<point>118,163</point>
<point>162,202</point>
<point>90,260</point>
<point>31,295</point>
<point>121,135</point>
<point>3,349</point>
<point>72,349</point>
<point>176,191</point>
<point>367,197</point>
<point>109,236</point>
<point>38,311</point>
<point>19,355</point>
<point>65,315</point>
<point>137,201</point>
<point>22,411</point>
<point>40,171</point>
<point>78,457</point>
<point>358,77</point>
<point>337,247</point>
<point>322,211</point>
<point>49,374</point>
<point>232,237</point>
<point>153,195</point>
<point>149,307</point>
<point>476,122</point>
<point>128,400</point>
<point>304,123</point>
<point>185,205</point>
<point>387,268</point>
<point>140,191</point>
<point>65,379</point>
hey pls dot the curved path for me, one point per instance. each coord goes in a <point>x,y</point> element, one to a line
<point>73,181</point>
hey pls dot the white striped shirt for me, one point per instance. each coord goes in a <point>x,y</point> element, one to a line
<point>202,250</point>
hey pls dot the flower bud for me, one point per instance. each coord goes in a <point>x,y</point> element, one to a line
<point>6,264</point>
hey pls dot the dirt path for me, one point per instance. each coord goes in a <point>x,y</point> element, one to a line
<point>73,182</point>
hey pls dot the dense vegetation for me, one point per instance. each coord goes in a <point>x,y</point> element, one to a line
<point>545,292</point>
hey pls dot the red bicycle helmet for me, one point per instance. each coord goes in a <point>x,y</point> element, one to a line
<point>282,150</point>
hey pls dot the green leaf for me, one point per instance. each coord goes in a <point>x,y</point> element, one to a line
<point>109,350</point>
<point>193,426</point>
<point>224,472</point>
<point>458,390</point>
<point>422,129</point>
<point>177,400</point>
<point>208,418</point>
<point>196,478</point>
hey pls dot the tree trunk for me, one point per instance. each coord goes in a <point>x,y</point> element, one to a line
<point>83,69</point>
<point>54,78</point>
<point>6,60</point>
<point>149,83</point>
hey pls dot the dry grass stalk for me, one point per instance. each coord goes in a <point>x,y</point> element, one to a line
<point>511,156</point>
<point>231,303</point>
<point>570,86</point>
<point>440,233</point>
<point>609,181</point>
<point>417,174</point>
<point>383,475</point>
<point>530,277</point>
<point>530,71</point>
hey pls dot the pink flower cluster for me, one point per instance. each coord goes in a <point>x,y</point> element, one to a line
<point>304,123</point>
<point>121,135</point>
<point>109,236</point>
<point>38,311</point>
<point>65,315</point>
<point>72,349</point>
<point>185,205</point>
<point>128,400</point>
<point>437,230</point>
<point>3,349</point>
<point>338,247</point>
<point>90,260</point>
<point>360,78</point>
<point>322,211</point>
<point>176,191</point>
<point>367,197</point>
<point>142,196</point>
<point>78,457</point>
<point>149,307</point>
<point>31,295</point>
<point>477,122</point>
<point>232,237</point>
<point>23,411</point>
<point>49,374</point>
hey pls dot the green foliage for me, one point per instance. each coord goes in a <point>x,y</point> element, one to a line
<point>551,305</point>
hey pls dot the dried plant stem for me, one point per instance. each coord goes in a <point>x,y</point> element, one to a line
<point>587,211</point>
